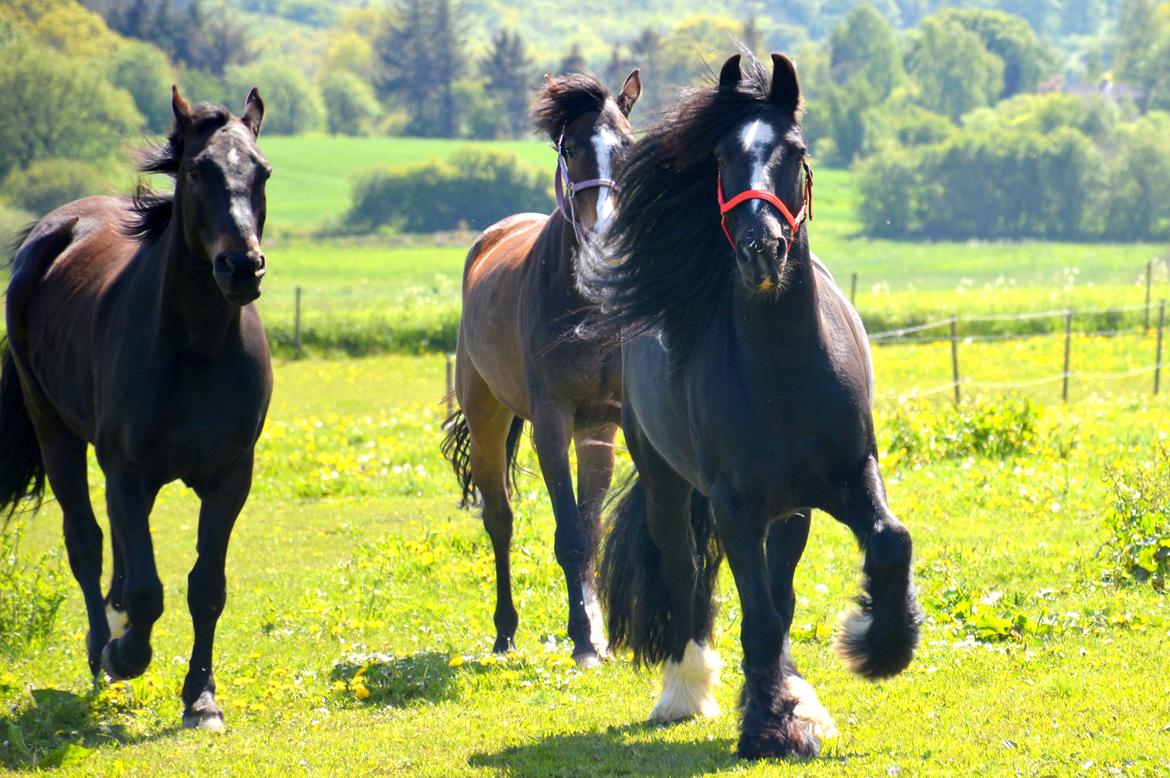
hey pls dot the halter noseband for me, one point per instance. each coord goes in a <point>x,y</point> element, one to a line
<point>794,222</point>
<point>567,189</point>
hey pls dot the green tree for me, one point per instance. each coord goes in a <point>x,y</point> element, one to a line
<point>52,106</point>
<point>49,183</point>
<point>1026,59</point>
<point>350,105</point>
<point>1042,15</point>
<point>145,72</point>
<point>507,75</point>
<point>573,62</point>
<point>953,70</point>
<point>864,47</point>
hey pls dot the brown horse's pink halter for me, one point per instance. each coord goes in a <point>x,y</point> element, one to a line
<point>794,222</point>
<point>567,189</point>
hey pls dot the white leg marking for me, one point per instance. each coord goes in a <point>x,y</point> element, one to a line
<point>687,685</point>
<point>809,709</point>
<point>596,630</point>
<point>118,621</point>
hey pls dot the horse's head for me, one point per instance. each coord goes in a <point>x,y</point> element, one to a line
<point>591,130</point>
<point>760,161</point>
<point>219,191</point>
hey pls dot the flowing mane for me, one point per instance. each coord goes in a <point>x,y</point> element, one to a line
<point>564,99</point>
<point>151,209</point>
<point>666,264</point>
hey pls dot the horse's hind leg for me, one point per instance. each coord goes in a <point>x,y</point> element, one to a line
<point>488,424</point>
<point>129,499</point>
<point>572,543</point>
<point>879,640</point>
<point>207,589</point>
<point>785,545</point>
<point>63,454</point>
<point>595,455</point>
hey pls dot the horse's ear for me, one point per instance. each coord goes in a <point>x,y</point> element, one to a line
<point>785,86</point>
<point>730,75</point>
<point>631,91</point>
<point>181,110</point>
<point>254,111</point>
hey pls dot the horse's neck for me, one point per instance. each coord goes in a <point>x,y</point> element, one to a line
<point>193,313</point>
<point>786,322</point>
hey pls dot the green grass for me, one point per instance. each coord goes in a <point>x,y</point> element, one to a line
<point>351,554</point>
<point>310,185</point>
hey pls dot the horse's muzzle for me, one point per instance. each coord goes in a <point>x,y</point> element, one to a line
<point>239,273</point>
<point>761,263</point>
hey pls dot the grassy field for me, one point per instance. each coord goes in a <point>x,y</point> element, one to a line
<point>372,657</point>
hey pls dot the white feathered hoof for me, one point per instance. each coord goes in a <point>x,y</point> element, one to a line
<point>687,686</point>
<point>204,714</point>
<point>809,713</point>
<point>852,644</point>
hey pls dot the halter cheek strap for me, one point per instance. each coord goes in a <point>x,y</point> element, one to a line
<point>567,189</point>
<point>794,222</point>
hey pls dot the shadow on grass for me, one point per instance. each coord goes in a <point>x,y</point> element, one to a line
<point>613,752</point>
<point>399,681</point>
<point>58,729</point>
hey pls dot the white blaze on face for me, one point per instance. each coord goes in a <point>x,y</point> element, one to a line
<point>605,142</point>
<point>757,138</point>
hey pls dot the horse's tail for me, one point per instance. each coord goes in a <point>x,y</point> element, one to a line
<point>879,640</point>
<point>636,599</point>
<point>456,449</point>
<point>22,473</point>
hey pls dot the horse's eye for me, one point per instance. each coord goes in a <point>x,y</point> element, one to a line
<point>569,152</point>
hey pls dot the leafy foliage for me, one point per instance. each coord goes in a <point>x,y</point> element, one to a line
<point>49,183</point>
<point>443,195</point>
<point>925,432</point>
<point>1137,549</point>
<point>31,592</point>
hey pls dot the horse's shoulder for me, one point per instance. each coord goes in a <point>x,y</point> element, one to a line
<point>522,227</point>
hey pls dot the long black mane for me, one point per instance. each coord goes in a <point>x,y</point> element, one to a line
<point>151,209</point>
<point>666,264</point>
<point>564,99</point>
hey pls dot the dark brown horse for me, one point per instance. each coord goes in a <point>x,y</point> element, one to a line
<point>518,358</point>
<point>131,328</point>
<point>746,403</point>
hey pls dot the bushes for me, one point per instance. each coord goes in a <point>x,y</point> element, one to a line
<point>31,592</point>
<point>922,432</point>
<point>1138,547</point>
<point>471,189</point>
<point>49,183</point>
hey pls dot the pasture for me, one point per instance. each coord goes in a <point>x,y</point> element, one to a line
<point>358,625</point>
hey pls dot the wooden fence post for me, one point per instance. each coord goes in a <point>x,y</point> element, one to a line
<point>1067,353</point>
<point>853,290</point>
<point>450,395</point>
<point>297,326</point>
<point>955,355</point>
<point>1158,361</point>
<point>1149,283</point>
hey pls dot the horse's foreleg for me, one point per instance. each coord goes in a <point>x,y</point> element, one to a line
<point>222,501</point>
<point>769,727</point>
<point>785,545</point>
<point>595,455</point>
<point>572,544</point>
<point>879,640</point>
<point>129,499</point>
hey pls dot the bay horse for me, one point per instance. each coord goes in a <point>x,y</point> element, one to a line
<point>131,329</point>
<point>518,359</point>
<point>746,402</point>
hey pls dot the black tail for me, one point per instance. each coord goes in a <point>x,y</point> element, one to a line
<point>456,449</point>
<point>636,599</point>
<point>22,474</point>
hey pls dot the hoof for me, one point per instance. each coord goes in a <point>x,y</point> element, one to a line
<point>808,712</point>
<point>204,714</point>
<point>791,742</point>
<point>116,668</point>
<point>587,660</point>
<point>503,645</point>
<point>687,686</point>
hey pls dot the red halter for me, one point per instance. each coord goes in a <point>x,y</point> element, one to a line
<point>794,222</point>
